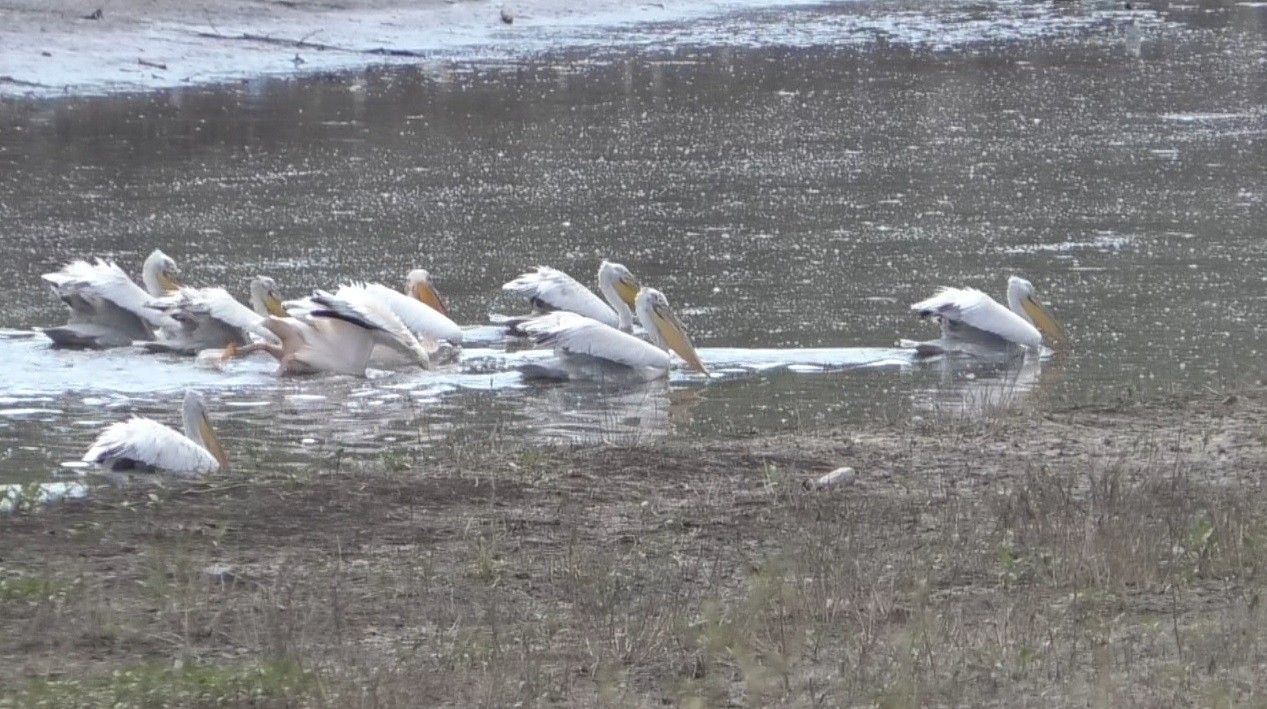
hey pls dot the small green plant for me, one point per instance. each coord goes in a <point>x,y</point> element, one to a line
<point>33,589</point>
<point>175,685</point>
<point>772,476</point>
<point>487,564</point>
<point>20,498</point>
<point>1197,544</point>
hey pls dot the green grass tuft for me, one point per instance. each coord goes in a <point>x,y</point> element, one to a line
<point>279,683</point>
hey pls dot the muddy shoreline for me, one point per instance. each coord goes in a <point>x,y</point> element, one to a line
<point>1099,553</point>
<point>89,47</point>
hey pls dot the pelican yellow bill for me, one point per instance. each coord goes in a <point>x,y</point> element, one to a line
<point>427,294</point>
<point>1043,320</point>
<point>674,334</point>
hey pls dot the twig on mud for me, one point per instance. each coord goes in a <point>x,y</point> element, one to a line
<point>389,52</point>
<point>265,39</point>
<point>6,79</point>
<point>211,22</point>
<point>307,36</point>
<point>214,489</point>
<point>303,43</point>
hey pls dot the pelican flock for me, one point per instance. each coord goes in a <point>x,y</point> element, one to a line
<point>629,333</point>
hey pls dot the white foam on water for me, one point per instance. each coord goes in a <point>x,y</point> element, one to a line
<point>32,368</point>
<point>38,373</point>
<point>14,495</point>
<point>1204,117</point>
<point>1104,243</point>
<point>302,398</point>
<point>34,413</point>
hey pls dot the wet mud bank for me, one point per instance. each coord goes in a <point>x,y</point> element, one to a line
<point>1108,552</point>
<point>75,47</point>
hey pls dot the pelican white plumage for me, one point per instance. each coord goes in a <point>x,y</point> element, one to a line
<point>418,284</point>
<point>266,297</point>
<point>335,333</point>
<point>198,319</point>
<point>550,290</point>
<point>107,309</point>
<point>589,349</point>
<point>420,307</point>
<point>409,328</point>
<point>143,444</point>
<point>974,323</point>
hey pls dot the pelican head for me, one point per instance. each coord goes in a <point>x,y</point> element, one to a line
<point>266,298</point>
<point>664,327</point>
<point>160,274</point>
<point>1023,300</point>
<point>198,428</point>
<point>620,288</point>
<point>418,285</point>
<point>620,280</point>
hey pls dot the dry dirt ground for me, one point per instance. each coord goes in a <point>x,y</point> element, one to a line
<point>1109,556</point>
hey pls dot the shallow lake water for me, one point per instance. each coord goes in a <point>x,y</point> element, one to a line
<point>791,179</point>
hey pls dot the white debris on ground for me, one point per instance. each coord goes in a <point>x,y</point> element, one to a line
<point>836,478</point>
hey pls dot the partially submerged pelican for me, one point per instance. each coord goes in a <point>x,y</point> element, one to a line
<point>418,284</point>
<point>266,297</point>
<point>420,307</point>
<point>336,332</point>
<point>145,445</point>
<point>551,290</point>
<point>107,309</point>
<point>199,319</point>
<point>589,349</point>
<point>974,323</point>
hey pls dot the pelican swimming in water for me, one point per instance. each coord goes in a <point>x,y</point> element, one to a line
<point>143,444</point>
<point>266,298</point>
<point>200,319</point>
<point>435,333</point>
<point>551,290</point>
<point>974,323</point>
<point>418,284</point>
<point>336,332</point>
<point>107,309</point>
<point>420,307</point>
<point>589,349</point>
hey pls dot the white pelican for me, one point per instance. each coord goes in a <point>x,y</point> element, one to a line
<point>550,290</point>
<point>107,309</point>
<point>335,333</point>
<point>266,297</point>
<point>430,331</point>
<point>147,445</point>
<point>199,319</point>
<point>419,307</point>
<point>974,323</point>
<point>418,284</point>
<point>589,349</point>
